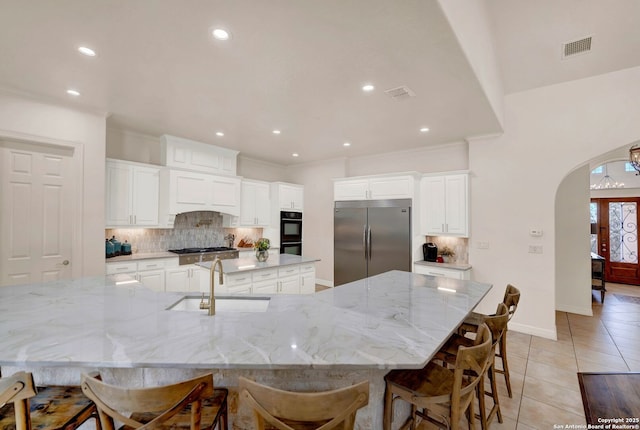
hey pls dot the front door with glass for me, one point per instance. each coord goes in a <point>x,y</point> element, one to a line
<point>616,237</point>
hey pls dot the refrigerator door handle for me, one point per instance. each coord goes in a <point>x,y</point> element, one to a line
<point>365,244</point>
<point>369,241</point>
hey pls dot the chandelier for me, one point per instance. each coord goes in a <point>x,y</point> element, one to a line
<point>634,158</point>
<point>607,182</point>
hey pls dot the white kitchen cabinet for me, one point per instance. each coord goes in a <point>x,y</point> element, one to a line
<point>442,271</point>
<point>149,272</point>
<point>185,278</point>
<point>374,187</point>
<point>287,196</point>
<point>191,155</point>
<point>265,287</point>
<point>289,280</point>
<point>308,278</point>
<point>255,204</point>
<point>444,204</point>
<point>184,191</point>
<point>153,279</point>
<point>132,194</point>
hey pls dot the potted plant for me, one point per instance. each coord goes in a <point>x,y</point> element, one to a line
<point>262,246</point>
<point>447,254</point>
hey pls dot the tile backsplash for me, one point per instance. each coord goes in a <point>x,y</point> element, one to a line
<point>191,229</point>
<point>460,246</point>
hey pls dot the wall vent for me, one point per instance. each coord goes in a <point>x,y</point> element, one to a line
<point>576,47</point>
<point>400,93</point>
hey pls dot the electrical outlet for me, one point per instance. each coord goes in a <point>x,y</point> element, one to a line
<point>535,249</point>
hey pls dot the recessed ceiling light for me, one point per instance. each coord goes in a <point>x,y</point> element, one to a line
<point>276,131</point>
<point>87,51</point>
<point>219,133</point>
<point>424,129</point>
<point>368,88</point>
<point>221,34</point>
<point>295,154</point>
<point>74,93</point>
<point>346,144</point>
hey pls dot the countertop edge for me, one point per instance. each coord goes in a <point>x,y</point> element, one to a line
<point>453,266</point>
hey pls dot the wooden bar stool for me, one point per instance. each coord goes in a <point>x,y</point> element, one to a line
<point>25,407</point>
<point>287,410</point>
<point>511,300</point>
<point>191,404</point>
<point>497,324</point>
<point>436,393</point>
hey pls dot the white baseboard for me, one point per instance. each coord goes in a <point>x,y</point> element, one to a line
<point>535,331</point>
<point>324,283</point>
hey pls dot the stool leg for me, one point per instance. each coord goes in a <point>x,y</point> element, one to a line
<point>494,391</point>
<point>387,414</point>
<point>482,412</point>
<point>505,365</point>
<point>23,417</point>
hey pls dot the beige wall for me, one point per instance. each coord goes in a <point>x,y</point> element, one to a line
<point>34,121</point>
<point>548,133</point>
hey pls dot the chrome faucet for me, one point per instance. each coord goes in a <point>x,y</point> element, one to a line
<point>212,300</point>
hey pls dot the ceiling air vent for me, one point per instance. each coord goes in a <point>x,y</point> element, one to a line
<point>581,46</point>
<point>400,93</point>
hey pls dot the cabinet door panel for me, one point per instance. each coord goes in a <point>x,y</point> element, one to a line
<point>153,279</point>
<point>391,188</point>
<point>290,285</point>
<point>432,205</point>
<point>118,190</point>
<point>456,205</point>
<point>177,280</point>
<point>351,190</point>
<point>145,197</point>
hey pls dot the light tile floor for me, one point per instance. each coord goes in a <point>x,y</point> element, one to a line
<point>543,372</point>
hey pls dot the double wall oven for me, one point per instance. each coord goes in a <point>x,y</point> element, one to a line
<point>291,233</point>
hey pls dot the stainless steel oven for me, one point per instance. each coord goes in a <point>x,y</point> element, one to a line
<point>291,232</point>
<point>291,248</point>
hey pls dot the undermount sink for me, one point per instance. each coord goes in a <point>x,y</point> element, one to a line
<point>223,304</point>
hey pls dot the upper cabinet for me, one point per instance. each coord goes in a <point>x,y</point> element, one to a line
<point>132,192</point>
<point>374,188</point>
<point>184,191</point>
<point>197,156</point>
<point>444,205</point>
<point>255,205</point>
<point>287,196</point>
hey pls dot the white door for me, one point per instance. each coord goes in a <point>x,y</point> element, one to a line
<point>36,213</point>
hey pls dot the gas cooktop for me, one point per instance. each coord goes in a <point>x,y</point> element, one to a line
<point>201,250</point>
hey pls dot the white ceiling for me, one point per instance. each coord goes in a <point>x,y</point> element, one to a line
<point>297,66</point>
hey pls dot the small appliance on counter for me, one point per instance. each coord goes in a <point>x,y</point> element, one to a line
<point>430,252</point>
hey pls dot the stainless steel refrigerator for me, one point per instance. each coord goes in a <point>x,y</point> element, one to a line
<point>370,237</point>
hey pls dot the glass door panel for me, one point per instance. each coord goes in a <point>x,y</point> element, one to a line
<point>623,232</point>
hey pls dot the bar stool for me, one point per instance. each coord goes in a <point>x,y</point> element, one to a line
<point>288,410</point>
<point>25,407</point>
<point>511,300</point>
<point>182,405</point>
<point>436,393</point>
<point>497,324</point>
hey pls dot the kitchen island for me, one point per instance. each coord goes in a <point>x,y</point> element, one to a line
<point>358,331</point>
<point>281,273</point>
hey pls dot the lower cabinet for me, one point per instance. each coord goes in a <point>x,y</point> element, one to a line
<point>187,278</point>
<point>150,273</point>
<point>442,271</point>
<point>294,279</point>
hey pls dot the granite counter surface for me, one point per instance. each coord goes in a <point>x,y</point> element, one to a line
<point>393,320</point>
<point>234,265</point>
<point>141,256</point>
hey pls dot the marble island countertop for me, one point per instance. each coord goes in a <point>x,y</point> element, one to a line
<point>396,319</point>
<point>234,265</point>
<point>454,266</point>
